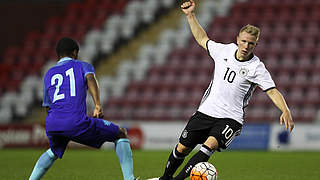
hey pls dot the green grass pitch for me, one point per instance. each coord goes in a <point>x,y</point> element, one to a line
<point>17,164</point>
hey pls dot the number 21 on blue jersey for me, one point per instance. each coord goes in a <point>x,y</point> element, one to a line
<point>59,77</point>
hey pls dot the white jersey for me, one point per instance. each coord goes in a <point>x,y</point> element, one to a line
<point>233,82</point>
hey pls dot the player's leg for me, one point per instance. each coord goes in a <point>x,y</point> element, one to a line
<point>43,164</point>
<point>58,145</point>
<point>219,136</point>
<point>176,158</point>
<point>101,131</point>
<point>124,153</point>
<point>202,155</point>
<point>187,141</point>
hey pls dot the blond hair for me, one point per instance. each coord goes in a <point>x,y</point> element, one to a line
<point>250,29</point>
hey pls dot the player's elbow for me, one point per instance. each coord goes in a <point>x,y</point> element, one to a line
<point>272,92</point>
<point>203,42</point>
<point>90,77</point>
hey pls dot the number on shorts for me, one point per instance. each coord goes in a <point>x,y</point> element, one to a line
<point>227,132</point>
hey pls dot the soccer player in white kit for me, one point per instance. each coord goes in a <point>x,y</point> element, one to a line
<point>219,117</point>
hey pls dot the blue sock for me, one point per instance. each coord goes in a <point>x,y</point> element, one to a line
<point>124,154</point>
<point>43,164</point>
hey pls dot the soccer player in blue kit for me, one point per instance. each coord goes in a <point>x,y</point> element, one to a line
<point>65,91</point>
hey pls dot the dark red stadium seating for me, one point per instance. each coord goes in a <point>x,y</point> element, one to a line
<point>39,47</point>
<point>288,46</point>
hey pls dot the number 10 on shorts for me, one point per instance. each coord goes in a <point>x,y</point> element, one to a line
<point>228,134</point>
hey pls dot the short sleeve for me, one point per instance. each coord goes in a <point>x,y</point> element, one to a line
<point>214,48</point>
<point>46,99</point>
<point>262,78</point>
<point>87,68</point>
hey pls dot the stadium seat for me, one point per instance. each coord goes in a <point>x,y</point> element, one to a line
<point>312,97</point>
<point>166,76</point>
<point>288,63</point>
<point>290,56</point>
<point>283,79</point>
<point>301,80</point>
<point>272,114</point>
<point>307,114</point>
<point>272,63</point>
<point>255,114</point>
<point>38,47</point>
<point>304,63</point>
<point>296,96</point>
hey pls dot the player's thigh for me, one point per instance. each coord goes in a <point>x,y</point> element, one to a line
<point>224,131</point>
<point>195,132</point>
<point>191,138</point>
<point>58,143</point>
<point>99,132</point>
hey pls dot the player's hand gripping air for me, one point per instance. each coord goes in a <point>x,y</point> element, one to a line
<point>287,120</point>
<point>97,112</point>
<point>188,7</point>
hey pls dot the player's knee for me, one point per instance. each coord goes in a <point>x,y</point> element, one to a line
<point>212,143</point>
<point>122,133</point>
<point>183,149</point>
<point>51,154</point>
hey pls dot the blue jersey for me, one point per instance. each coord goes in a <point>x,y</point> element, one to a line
<point>65,91</point>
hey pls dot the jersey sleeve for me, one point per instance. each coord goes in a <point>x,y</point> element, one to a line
<point>214,48</point>
<point>87,68</point>
<point>263,78</point>
<point>46,99</point>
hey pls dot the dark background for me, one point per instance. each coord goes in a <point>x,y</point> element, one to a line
<point>34,13</point>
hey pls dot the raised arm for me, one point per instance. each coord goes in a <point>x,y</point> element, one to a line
<point>279,101</point>
<point>95,93</point>
<point>198,33</point>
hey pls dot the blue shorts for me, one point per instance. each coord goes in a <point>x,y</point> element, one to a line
<point>94,135</point>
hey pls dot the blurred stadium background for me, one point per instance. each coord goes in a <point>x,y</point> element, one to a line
<point>151,72</point>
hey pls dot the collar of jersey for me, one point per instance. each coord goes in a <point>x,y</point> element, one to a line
<point>251,57</point>
<point>64,59</point>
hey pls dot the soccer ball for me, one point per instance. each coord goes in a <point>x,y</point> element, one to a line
<point>204,171</point>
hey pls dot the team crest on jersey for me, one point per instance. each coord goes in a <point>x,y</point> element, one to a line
<point>184,134</point>
<point>243,72</point>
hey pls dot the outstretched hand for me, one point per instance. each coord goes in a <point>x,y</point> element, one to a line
<point>287,120</point>
<point>188,7</point>
<point>97,112</point>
